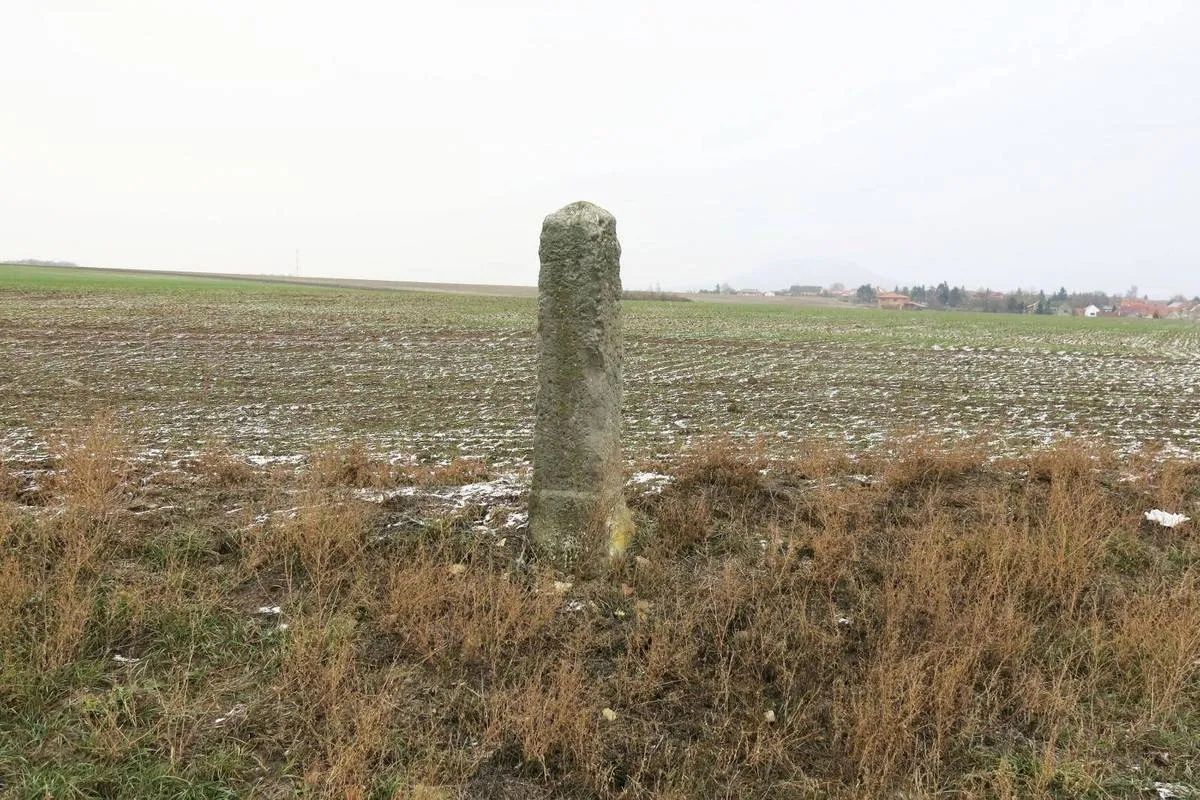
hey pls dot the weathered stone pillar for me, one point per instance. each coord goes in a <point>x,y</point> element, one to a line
<point>577,509</point>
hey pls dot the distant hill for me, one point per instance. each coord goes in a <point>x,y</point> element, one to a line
<point>35,262</point>
<point>809,271</point>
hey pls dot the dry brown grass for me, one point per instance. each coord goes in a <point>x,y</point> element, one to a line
<point>781,629</point>
<point>9,485</point>
<point>349,465</point>
<point>60,565</point>
<point>352,465</point>
<point>92,469</point>
<point>220,467</point>
<point>458,472</point>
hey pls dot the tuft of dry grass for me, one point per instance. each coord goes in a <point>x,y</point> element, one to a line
<point>9,485</point>
<point>316,545</point>
<point>92,468</point>
<point>56,565</point>
<point>927,465</point>
<point>457,472</point>
<point>348,465</point>
<point>824,626</point>
<point>351,465</point>
<point>467,616</point>
<point>224,469</point>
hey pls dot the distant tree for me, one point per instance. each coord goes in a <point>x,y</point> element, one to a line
<point>991,302</point>
<point>942,294</point>
<point>956,297</point>
<point>837,286</point>
<point>865,293</point>
<point>1061,295</point>
<point>1085,299</point>
<point>1131,292</point>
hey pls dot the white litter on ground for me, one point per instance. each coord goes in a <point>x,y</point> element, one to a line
<point>1166,518</point>
<point>235,714</point>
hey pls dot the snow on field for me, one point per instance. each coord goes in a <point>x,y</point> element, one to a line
<point>426,379</point>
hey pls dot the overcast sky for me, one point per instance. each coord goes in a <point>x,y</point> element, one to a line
<point>986,143</point>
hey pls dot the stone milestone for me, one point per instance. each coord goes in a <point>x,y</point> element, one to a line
<point>577,509</point>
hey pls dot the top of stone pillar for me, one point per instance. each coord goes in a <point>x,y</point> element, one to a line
<point>579,211</point>
<point>574,219</point>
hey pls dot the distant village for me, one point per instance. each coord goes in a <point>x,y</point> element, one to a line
<point>944,296</point>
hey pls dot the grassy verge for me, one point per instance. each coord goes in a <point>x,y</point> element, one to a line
<point>928,625</point>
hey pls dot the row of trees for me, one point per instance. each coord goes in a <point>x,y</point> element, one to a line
<point>1017,302</point>
<point>941,296</point>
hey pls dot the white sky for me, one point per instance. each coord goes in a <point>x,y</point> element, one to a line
<point>986,143</point>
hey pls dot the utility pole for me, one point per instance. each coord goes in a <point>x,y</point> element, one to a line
<point>297,262</point>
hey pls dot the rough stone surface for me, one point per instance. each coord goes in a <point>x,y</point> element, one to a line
<point>577,509</point>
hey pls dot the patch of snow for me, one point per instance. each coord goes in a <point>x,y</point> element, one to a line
<point>382,496</point>
<point>503,488</point>
<point>650,482</point>
<point>262,461</point>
